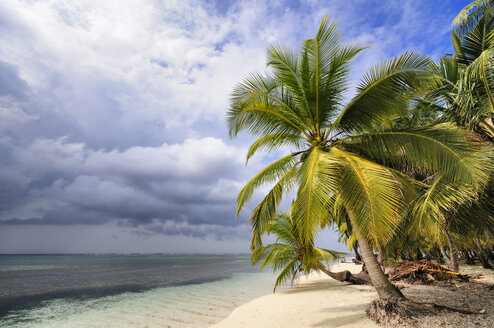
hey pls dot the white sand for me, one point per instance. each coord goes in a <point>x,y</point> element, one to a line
<point>317,301</point>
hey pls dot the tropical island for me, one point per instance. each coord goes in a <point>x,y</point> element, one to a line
<point>403,170</point>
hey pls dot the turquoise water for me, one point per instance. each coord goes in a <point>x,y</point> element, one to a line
<point>126,291</point>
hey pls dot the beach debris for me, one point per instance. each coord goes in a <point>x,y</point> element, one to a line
<point>423,272</point>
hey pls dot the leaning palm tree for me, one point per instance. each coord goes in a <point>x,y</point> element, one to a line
<point>291,254</point>
<point>343,150</point>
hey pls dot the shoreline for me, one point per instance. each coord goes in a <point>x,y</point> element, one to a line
<point>320,301</point>
<point>317,300</point>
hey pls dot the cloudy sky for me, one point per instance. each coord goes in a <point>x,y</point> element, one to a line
<point>112,113</point>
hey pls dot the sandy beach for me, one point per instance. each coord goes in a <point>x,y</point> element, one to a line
<point>319,301</point>
<point>316,301</point>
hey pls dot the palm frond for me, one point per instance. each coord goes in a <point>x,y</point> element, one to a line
<point>465,12</point>
<point>435,203</point>
<point>285,65</point>
<point>278,255</point>
<point>470,46</point>
<point>445,149</point>
<point>274,141</point>
<point>334,83</point>
<point>318,180</point>
<point>273,172</point>
<point>265,212</point>
<point>287,273</point>
<point>385,89</point>
<point>467,19</point>
<point>319,53</point>
<point>482,70</point>
<point>259,106</point>
<point>327,254</point>
<point>285,230</point>
<point>373,195</point>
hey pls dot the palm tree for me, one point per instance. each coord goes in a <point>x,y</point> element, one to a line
<point>342,150</point>
<point>466,98</point>
<point>291,254</point>
<point>434,201</point>
<point>466,95</point>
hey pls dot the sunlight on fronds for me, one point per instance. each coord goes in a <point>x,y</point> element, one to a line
<point>373,195</point>
<point>319,178</point>
<point>448,151</point>
<point>384,90</point>
<point>274,141</point>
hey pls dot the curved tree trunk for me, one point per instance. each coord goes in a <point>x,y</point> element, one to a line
<point>384,287</point>
<point>453,256</point>
<point>355,250</point>
<point>379,253</point>
<point>345,276</point>
<point>484,261</point>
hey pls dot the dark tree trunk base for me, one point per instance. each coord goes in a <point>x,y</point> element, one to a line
<point>485,262</point>
<point>347,276</point>
<point>468,259</point>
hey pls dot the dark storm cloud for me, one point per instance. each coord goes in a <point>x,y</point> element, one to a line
<point>84,114</point>
<point>11,85</point>
<point>189,184</point>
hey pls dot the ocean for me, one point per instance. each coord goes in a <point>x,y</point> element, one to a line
<point>158,290</point>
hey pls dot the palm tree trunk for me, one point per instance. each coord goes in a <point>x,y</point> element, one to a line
<point>294,276</point>
<point>344,276</point>
<point>453,256</point>
<point>419,255</point>
<point>379,253</point>
<point>483,256</point>
<point>384,288</point>
<point>468,258</point>
<point>444,255</point>
<point>355,250</point>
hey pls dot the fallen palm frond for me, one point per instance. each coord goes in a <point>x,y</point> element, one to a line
<point>424,272</point>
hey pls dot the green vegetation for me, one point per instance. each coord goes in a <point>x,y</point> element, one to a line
<point>289,253</point>
<point>404,167</point>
